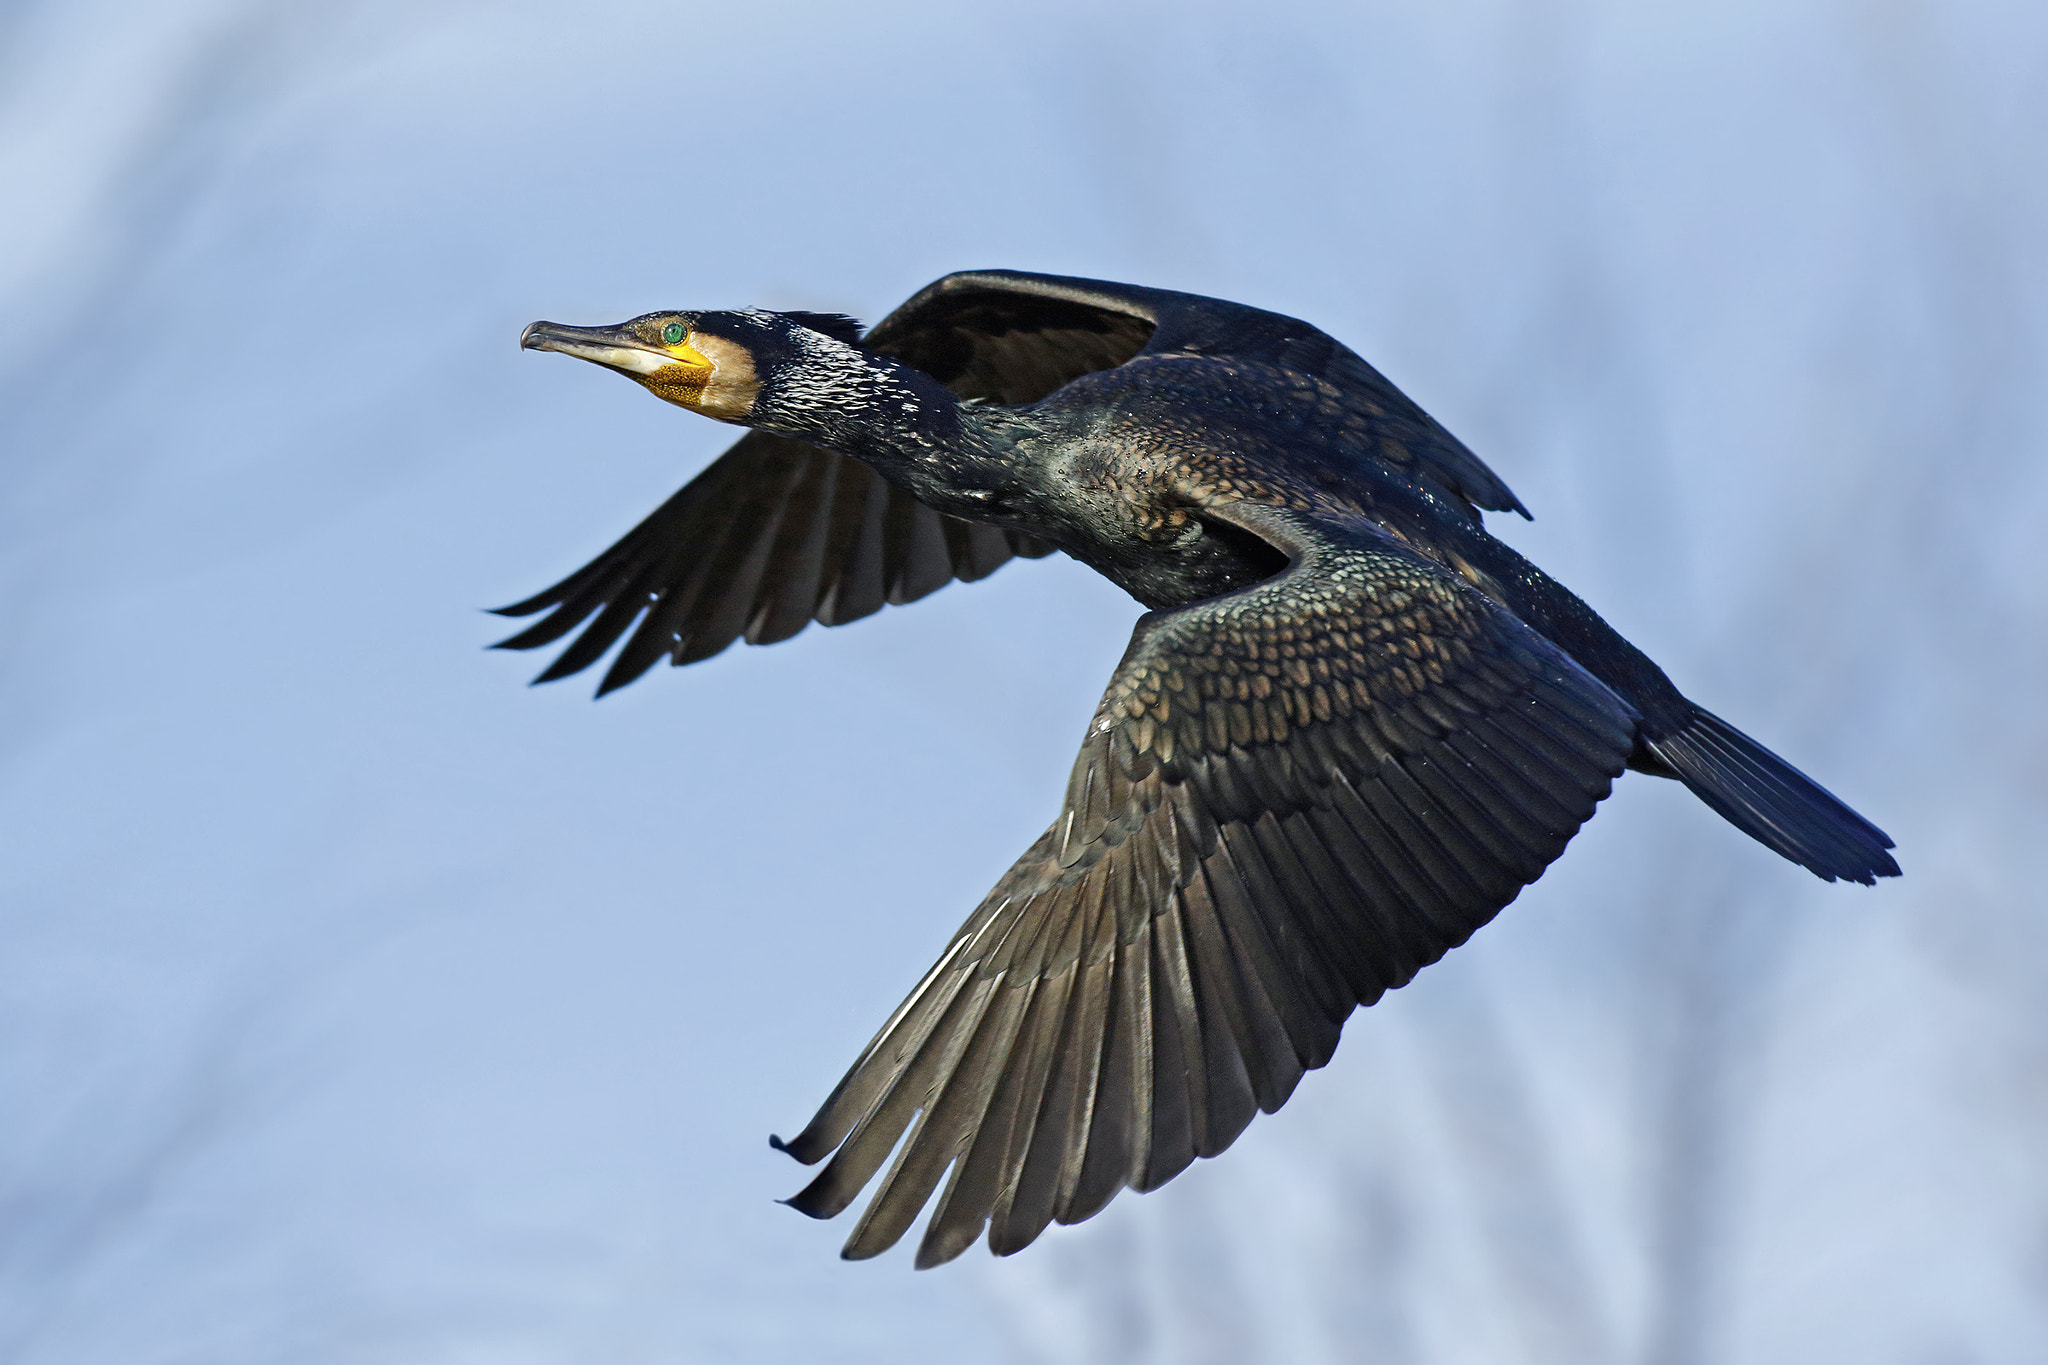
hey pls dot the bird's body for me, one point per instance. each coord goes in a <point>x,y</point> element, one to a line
<point>1351,727</point>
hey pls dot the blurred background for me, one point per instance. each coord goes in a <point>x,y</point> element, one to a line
<point>360,1005</point>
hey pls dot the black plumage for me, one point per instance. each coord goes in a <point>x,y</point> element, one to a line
<point>1350,729</point>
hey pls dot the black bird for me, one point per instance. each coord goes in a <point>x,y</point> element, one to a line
<point>1351,727</point>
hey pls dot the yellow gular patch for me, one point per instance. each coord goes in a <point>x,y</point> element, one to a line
<point>679,379</point>
<point>729,391</point>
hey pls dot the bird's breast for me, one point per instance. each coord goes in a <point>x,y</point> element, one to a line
<point>1125,509</point>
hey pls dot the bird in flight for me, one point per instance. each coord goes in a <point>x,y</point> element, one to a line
<point>1349,728</point>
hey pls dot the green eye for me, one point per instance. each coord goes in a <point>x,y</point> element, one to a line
<point>673,333</point>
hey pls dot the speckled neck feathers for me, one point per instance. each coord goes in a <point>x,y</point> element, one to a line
<point>821,390</point>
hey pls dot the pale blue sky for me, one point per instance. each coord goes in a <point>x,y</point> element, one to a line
<point>361,1004</point>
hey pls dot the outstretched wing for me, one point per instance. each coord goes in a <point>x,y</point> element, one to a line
<point>773,535</point>
<point>1290,800</point>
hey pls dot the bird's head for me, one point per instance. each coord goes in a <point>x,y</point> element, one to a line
<point>719,364</point>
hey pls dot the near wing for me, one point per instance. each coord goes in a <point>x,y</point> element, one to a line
<point>1291,799</point>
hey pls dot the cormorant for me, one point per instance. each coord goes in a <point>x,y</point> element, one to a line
<point>1350,728</point>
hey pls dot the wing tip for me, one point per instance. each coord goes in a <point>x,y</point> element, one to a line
<point>616,678</point>
<point>804,1148</point>
<point>555,671</point>
<point>941,1245</point>
<point>791,1203</point>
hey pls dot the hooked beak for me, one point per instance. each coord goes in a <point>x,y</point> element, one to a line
<point>617,349</point>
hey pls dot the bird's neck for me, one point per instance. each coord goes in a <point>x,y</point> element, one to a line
<point>856,403</point>
<point>904,424</point>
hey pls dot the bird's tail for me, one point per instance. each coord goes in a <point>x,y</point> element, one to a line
<point>1773,802</point>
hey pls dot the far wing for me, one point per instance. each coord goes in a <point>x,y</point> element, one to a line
<point>1015,337</point>
<point>1290,800</point>
<point>773,535</point>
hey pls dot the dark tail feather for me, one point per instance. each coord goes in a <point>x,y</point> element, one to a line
<point>1773,802</point>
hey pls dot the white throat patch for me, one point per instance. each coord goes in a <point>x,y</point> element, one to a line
<point>730,392</point>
